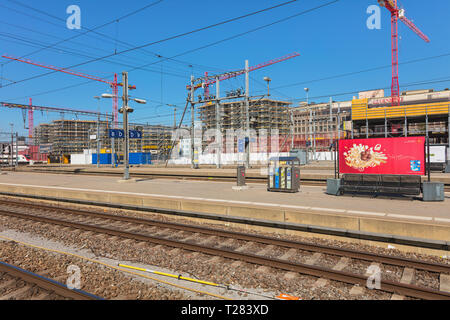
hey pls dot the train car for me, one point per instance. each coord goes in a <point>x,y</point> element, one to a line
<point>5,159</point>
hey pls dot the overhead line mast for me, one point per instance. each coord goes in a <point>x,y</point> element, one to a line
<point>396,14</point>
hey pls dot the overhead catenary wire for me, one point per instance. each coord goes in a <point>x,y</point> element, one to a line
<point>412,84</point>
<point>87,29</point>
<point>32,42</point>
<point>105,36</point>
<point>361,71</point>
<point>243,33</point>
<point>180,35</point>
<point>189,51</point>
<point>85,55</point>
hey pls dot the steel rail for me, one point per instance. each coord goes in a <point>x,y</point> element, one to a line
<point>45,283</point>
<point>355,254</point>
<point>388,286</point>
<point>339,232</point>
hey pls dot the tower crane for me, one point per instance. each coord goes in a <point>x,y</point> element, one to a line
<point>113,84</point>
<point>396,14</point>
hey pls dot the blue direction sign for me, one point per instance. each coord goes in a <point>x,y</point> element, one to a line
<point>241,145</point>
<point>119,134</point>
<point>116,133</point>
<point>134,134</point>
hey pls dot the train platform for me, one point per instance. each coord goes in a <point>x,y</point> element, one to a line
<point>309,173</point>
<point>310,206</point>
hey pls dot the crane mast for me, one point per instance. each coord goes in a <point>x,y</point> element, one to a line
<point>397,14</point>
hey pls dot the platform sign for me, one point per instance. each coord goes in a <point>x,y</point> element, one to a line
<point>116,133</point>
<point>405,156</point>
<point>45,148</point>
<point>119,134</point>
<point>438,154</point>
<point>241,145</point>
<point>134,134</point>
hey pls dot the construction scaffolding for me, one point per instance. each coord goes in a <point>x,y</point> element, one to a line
<point>317,126</point>
<point>264,114</point>
<point>65,137</point>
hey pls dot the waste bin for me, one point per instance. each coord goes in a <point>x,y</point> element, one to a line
<point>284,174</point>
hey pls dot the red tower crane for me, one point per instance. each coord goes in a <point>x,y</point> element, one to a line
<point>207,81</point>
<point>396,14</point>
<point>113,84</point>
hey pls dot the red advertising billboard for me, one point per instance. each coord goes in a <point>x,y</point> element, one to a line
<point>383,156</point>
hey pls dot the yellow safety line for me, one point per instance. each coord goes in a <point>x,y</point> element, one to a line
<point>116,268</point>
<point>180,277</point>
<point>173,276</point>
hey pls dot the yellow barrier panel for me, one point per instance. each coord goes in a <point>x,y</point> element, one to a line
<point>362,112</point>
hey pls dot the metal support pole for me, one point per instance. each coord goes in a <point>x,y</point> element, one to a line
<point>98,142</point>
<point>314,132</point>
<point>292,129</point>
<point>218,126</point>
<point>17,149</point>
<point>175,118</point>
<point>329,125</point>
<point>193,162</point>
<point>12,144</point>
<point>447,169</point>
<point>367,128</point>
<point>428,145</point>
<point>428,158</point>
<point>126,174</point>
<point>339,121</point>
<point>385,124</point>
<point>406,124</point>
<point>337,157</point>
<point>247,115</point>
<point>310,131</point>
<point>113,153</point>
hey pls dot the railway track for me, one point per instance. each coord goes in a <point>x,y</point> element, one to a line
<point>183,236</point>
<point>17,283</point>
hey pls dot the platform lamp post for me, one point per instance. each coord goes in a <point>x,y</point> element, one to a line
<point>267,79</point>
<point>11,150</point>
<point>125,110</point>
<point>447,167</point>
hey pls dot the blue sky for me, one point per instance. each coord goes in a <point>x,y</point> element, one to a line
<point>332,40</point>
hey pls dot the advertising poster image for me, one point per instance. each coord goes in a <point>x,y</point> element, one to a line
<point>401,156</point>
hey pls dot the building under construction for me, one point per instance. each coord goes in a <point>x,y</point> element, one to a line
<point>263,114</point>
<point>372,116</point>
<point>65,137</point>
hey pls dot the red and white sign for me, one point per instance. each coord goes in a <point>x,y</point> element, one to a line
<point>404,156</point>
<point>371,94</point>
